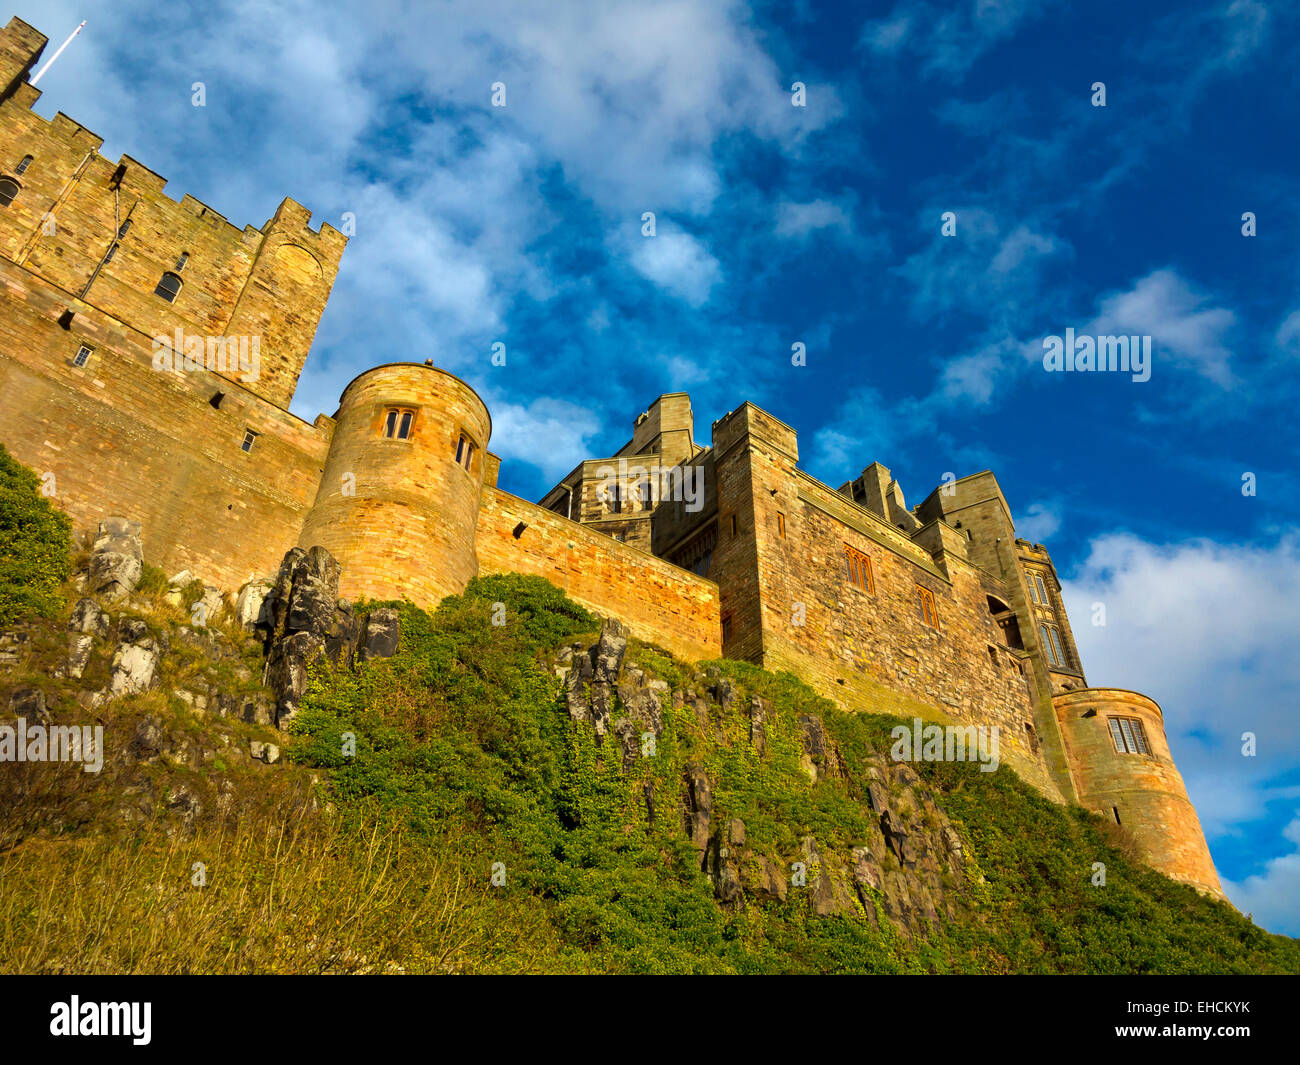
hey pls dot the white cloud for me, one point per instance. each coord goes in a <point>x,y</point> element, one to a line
<point>802,219</point>
<point>677,262</point>
<point>1039,521</point>
<point>1270,897</point>
<point>949,39</point>
<point>552,434</point>
<point>1183,325</point>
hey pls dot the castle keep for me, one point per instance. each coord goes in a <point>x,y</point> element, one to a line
<point>725,548</point>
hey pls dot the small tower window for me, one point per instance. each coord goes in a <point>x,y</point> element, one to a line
<point>464,451</point>
<point>180,263</point>
<point>124,229</point>
<point>780,524</point>
<point>1129,734</point>
<point>21,168</point>
<point>249,438</point>
<point>397,423</point>
<point>112,250</point>
<point>8,190</point>
<point>169,287</point>
<point>83,356</point>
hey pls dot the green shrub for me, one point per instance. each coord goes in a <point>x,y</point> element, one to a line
<point>35,545</point>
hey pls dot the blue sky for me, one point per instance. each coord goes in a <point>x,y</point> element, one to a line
<point>821,225</point>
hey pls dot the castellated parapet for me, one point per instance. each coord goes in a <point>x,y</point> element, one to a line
<point>728,548</point>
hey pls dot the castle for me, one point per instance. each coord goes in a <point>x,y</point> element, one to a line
<point>936,611</point>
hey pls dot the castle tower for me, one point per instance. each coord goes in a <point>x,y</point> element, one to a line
<point>1123,768</point>
<point>399,498</point>
<point>284,296</point>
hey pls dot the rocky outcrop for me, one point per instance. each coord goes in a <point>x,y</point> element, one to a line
<point>302,621</point>
<point>135,662</point>
<point>116,560</point>
<point>907,869</point>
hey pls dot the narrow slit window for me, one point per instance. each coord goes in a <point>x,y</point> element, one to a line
<point>925,605</point>
<point>21,168</point>
<point>124,229</point>
<point>180,263</point>
<point>733,525</point>
<point>1042,591</point>
<point>464,451</point>
<point>780,524</point>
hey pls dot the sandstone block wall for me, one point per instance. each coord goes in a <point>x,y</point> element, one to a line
<point>660,602</point>
<point>122,438</point>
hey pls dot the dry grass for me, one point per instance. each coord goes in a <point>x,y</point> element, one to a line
<point>310,896</point>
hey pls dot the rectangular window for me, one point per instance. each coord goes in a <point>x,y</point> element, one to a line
<point>726,629</point>
<point>397,423</point>
<point>925,604</point>
<point>83,356</point>
<point>1042,590</point>
<point>733,525</point>
<point>780,524</point>
<point>860,575</point>
<point>249,437</point>
<point>1129,735</point>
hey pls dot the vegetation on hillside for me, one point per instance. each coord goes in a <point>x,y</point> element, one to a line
<point>440,812</point>
<point>35,541</point>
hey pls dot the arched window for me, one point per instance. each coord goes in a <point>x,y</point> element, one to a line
<point>180,263</point>
<point>397,423</point>
<point>169,287</point>
<point>21,168</point>
<point>8,190</point>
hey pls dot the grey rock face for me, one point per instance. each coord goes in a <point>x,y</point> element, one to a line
<point>250,604</point>
<point>303,620</point>
<point>117,559</point>
<point>87,617</point>
<point>135,662</point>
<point>29,703</point>
<point>79,648</point>
<point>380,636</point>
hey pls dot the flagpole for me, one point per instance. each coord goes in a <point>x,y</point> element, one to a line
<point>56,55</point>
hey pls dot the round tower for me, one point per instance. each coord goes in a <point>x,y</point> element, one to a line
<point>1120,758</point>
<point>399,498</point>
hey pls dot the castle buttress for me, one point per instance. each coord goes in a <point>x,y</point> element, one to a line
<point>728,548</point>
